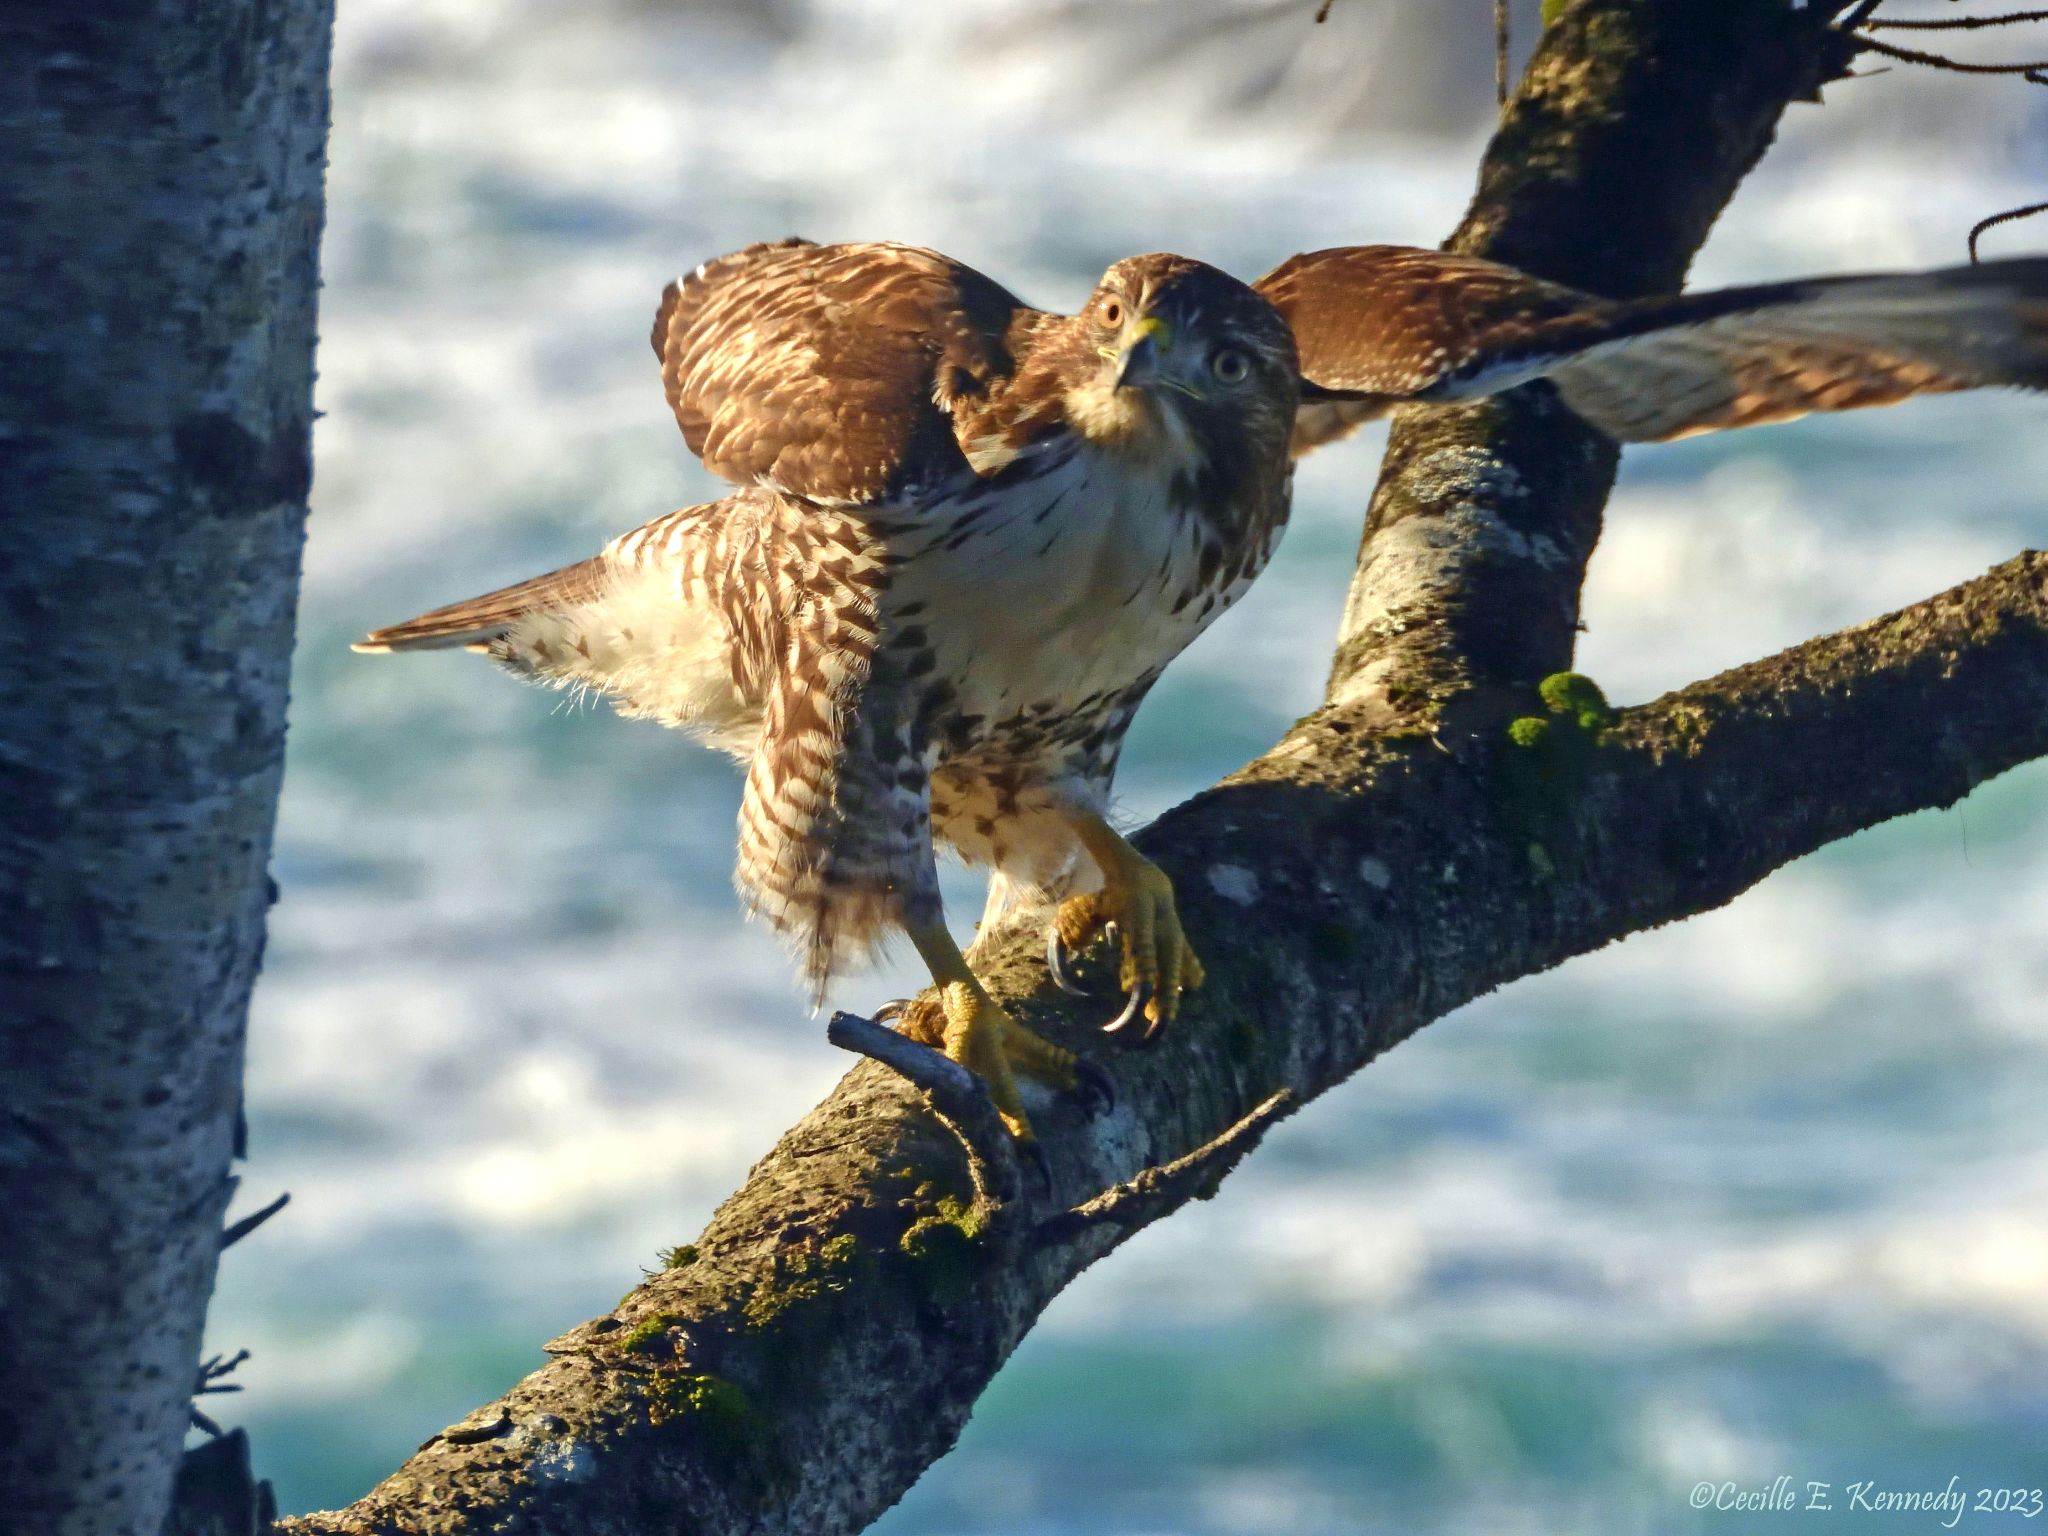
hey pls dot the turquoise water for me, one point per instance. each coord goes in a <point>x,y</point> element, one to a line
<point>1763,1195</point>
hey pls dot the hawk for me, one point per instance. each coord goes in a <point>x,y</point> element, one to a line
<point>969,535</point>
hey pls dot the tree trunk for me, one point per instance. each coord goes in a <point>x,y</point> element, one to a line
<point>160,215</point>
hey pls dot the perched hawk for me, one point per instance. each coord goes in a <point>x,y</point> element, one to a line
<point>970,534</point>
<point>969,537</point>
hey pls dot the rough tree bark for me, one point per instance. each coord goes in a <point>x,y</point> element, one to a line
<point>1401,851</point>
<point>160,215</point>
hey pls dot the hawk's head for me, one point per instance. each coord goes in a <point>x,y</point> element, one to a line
<point>1173,360</point>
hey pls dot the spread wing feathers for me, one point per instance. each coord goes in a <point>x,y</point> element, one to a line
<point>836,373</point>
<point>1378,325</point>
<point>477,621</point>
<point>1744,357</point>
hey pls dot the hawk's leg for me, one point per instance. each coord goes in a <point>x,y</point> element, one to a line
<point>976,1031</point>
<point>1157,963</point>
<point>974,1023</point>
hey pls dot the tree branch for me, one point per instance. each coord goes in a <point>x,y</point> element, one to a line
<point>824,1339</point>
<point>1632,128</point>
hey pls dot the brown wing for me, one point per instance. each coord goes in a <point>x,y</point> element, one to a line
<point>1377,325</point>
<point>838,373</point>
<point>1380,324</point>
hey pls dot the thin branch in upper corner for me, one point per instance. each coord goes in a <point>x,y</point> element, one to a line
<point>1943,62</point>
<point>1956,23</point>
<point>1323,11</point>
<point>2009,216</point>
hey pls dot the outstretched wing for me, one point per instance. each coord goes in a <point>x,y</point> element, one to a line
<point>1741,357</point>
<point>839,373</point>
<point>1378,325</point>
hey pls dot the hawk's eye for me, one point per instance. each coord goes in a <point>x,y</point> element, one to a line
<point>1112,312</point>
<point>1230,365</point>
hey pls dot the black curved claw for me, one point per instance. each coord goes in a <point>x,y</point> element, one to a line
<point>1031,1153</point>
<point>1093,1086</point>
<point>890,1011</point>
<point>1060,962</point>
<point>1056,963</point>
<point>1134,1006</point>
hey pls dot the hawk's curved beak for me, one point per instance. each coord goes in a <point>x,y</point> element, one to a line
<point>1138,353</point>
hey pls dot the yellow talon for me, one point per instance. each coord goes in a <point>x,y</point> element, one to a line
<point>1157,963</point>
<point>974,1029</point>
<point>926,1020</point>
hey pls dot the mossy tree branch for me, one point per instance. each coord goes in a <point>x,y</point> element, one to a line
<point>824,1339</point>
<point>1632,128</point>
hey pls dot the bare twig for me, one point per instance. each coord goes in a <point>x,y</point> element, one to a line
<point>212,1372</point>
<point>1943,62</point>
<point>2010,215</point>
<point>1957,23</point>
<point>1141,1199</point>
<point>956,1093</point>
<point>236,1231</point>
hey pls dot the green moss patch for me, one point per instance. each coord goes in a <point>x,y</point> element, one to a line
<point>649,1334</point>
<point>824,1270</point>
<point>1549,755</point>
<point>945,1246</point>
<point>724,1420</point>
<point>1578,697</point>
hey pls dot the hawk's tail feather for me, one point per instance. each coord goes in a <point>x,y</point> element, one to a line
<point>830,928</point>
<point>478,621</point>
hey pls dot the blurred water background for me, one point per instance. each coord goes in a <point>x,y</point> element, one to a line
<point>1762,1195</point>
